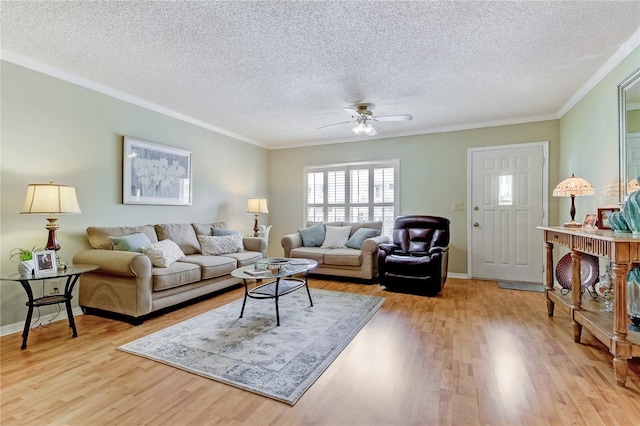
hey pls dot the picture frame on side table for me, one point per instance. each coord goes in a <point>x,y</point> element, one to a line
<point>155,174</point>
<point>603,216</point>
<point>590,221</point>
<point>45,262</point>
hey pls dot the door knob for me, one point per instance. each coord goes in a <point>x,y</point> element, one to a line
<point>476,225</point>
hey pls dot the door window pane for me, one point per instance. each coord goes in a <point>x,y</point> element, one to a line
<point>505,190</point>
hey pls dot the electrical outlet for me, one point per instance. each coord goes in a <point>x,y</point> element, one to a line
<point>55,286</point>
<point>458,207</point>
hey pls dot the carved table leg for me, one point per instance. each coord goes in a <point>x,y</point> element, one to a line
<point>549,277</point>
<point>620,347</point>
<point>576,294</point>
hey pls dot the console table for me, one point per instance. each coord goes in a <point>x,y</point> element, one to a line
<point>623,250</point>
<point>72,273</point>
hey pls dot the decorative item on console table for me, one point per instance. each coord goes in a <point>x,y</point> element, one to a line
<point>573,187</point>
<point>618,223</point>
<point>604,288</point>
<point>631,212</point>
<point>633,298</point>
<point>25,260</point>
<point>603,216</point>
<point>590,221</point>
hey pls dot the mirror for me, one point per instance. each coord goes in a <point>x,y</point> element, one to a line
<point>629,119</point>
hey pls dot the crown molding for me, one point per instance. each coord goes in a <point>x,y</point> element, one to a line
<point>614,61</point>
<point>23,61</point>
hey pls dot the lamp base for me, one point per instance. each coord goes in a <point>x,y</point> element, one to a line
<point>572,224</point>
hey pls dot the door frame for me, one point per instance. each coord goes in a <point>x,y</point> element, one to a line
<point>545,193</point>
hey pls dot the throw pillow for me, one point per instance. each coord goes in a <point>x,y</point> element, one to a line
<point>219,232</point>
<point>312,236</point>
<point>163,253</point>
<point>336,236</point>
<point>212,245</point>
<point>359,236</point>
<point>133,242</point>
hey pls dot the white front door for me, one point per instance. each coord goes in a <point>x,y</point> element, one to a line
<point>507,193</point>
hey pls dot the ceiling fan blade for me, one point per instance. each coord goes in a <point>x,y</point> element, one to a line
<point>352,111</point>
<point>336,124</point>
<point>405,117</point>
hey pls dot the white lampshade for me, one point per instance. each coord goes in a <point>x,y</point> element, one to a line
<point>50,198</point>
<point>257,205</point>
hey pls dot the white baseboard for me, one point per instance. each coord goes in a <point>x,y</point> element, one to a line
<point>19,326</point>
<point>457,275</point>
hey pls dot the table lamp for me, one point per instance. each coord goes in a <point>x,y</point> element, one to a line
<point>257,206</point>
<point>573,187</point>
<point>51,198</point>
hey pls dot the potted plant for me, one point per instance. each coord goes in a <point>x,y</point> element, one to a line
<point>24,258</point>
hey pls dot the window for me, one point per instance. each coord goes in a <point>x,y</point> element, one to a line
<point>353,192</point>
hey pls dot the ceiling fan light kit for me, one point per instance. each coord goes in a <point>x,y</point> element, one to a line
<point>363,117</point>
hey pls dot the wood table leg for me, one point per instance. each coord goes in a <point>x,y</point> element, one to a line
<point>620,347</point>
<point>576,293</point>
<point>549,277</point>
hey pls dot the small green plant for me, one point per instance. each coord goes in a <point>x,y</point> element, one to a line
<point>20,254</point>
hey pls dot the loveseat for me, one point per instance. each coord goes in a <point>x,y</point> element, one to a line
<point>344,249</point>
<point>140,270</point>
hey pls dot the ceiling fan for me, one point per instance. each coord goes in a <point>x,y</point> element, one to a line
<point>362,116</point>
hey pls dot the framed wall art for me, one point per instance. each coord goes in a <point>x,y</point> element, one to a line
<point>603,216</point>
<point>155,174</point>
<point>44,262</point>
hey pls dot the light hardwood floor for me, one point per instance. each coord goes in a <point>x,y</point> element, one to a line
<point>474,355</point>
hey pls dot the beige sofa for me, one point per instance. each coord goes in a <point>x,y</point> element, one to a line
<point>344,261</point>
<point>128,285</point>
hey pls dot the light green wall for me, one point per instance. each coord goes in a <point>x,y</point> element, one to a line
<point>433,175</point>
<point>589,135</point>
<point>53,130</point>
<point>633,121</point>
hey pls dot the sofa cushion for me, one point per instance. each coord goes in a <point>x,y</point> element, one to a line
<point>99,235</point>
<point>358,237</point>
<point>207,228</point>
<point>212,245</point>
<point>211,266</point>
<point>220,232</point>
<point>343,257</point>
<point>313,253</point>
<point>163,253</point>
<point>133,242</point>
<point>181,234</point>
<point>336,236</point>
<point>370,225</point>
<point>175,275</point>
<point>312,236</point>
<point>245,258</point>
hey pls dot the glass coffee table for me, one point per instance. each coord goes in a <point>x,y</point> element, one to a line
<point>279,274</point>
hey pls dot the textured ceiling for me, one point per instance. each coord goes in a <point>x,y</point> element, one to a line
<point>272,72</point>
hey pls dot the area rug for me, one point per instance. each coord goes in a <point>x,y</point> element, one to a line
<point>517,285</point>
<point>252,353</point>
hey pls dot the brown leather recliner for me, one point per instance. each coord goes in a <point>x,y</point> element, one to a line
<point>417,260</point>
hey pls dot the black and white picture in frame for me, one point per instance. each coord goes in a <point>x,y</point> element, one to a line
<point>155,174</point>
<point>45,262</point>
